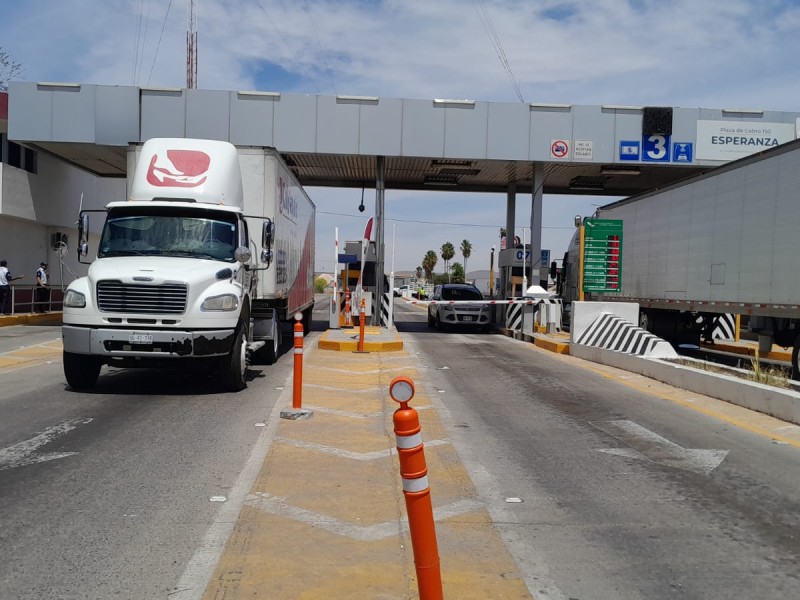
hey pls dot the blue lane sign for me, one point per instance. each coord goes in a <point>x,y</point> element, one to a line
<point>682,152</point>
<point>629,150</point>
<point>348,259</point>
<point>655,148</point>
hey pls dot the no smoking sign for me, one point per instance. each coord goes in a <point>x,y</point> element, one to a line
<point>559,149</point>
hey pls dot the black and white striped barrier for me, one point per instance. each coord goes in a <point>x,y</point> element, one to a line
<point>611,332</point>
<point>723,326</point>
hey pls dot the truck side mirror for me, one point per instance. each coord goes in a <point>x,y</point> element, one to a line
<point>266,242</point>
<point>553,270</point>
<point>83,235</point>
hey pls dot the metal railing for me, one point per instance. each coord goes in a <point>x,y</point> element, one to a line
<point>24,299</point>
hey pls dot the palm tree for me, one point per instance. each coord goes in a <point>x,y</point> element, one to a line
<point>466,252</point>
<point>458,272</point>
<point>428,263</point>
<point>419,273</point>
<point>448,252</point>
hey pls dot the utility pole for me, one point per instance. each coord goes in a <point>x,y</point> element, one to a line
<point>191,48</point>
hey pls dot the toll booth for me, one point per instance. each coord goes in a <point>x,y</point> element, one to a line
<point>348,276</point>
<point>512,261</point>
<point>545,313</point>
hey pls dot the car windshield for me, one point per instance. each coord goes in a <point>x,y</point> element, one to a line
<point>167,232</point>
<point>461,294</point>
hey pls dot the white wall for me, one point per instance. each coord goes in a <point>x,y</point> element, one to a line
<point>35,206</point>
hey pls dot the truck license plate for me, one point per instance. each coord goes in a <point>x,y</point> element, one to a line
<point>140,338</point>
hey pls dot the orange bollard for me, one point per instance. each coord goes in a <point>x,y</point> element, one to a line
<point>416,490</point>
<point>348,319</point>
<point>361,324</point>
<point>297,390</point>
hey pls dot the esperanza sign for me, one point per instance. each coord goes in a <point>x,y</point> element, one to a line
<point>729,140</point>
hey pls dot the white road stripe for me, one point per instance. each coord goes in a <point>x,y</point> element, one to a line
<point>362,456</point>
<point>24,453</point>
<point>275,505</point>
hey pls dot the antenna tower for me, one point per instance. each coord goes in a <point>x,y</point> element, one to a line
<point>191,48</point>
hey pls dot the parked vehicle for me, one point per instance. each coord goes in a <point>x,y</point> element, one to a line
<point>450,307</point>
<point>178,280</point>
<point>398,291</point>
<point>724,242</point>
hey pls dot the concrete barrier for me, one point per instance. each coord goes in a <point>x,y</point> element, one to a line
<point>781,403</point>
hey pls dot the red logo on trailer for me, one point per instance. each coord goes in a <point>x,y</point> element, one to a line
<point>178,168</point>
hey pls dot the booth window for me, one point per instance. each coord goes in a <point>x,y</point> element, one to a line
<point>15,155</point>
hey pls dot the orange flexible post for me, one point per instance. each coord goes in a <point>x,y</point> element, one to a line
<point>297,389</point>
<point>416,490</point>
<point>348,319</point>
<point>361,324</point>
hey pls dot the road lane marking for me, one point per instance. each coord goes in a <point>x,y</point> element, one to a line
<point>647,445</point>
<point>364,533</point>
<point>362,456</point>
<point>25,453</point>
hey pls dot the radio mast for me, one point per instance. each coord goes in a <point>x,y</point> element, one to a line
<point>191,48</point>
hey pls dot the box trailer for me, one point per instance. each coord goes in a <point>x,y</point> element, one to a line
<point>724,242</point>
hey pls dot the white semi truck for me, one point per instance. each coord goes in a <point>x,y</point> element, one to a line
<point>179,279</point>
<point>724,242</point>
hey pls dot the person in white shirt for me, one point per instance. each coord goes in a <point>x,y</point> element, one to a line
<point>42,291</point>
<point>5,287</point>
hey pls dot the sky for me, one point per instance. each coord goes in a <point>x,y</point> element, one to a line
<point>689,53</point>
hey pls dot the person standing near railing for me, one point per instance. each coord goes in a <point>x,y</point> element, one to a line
<point>42,290</point>
<point>5,287</point>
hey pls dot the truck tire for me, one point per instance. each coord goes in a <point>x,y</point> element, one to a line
<point>234,366</point>
<point>796,359</point>
<point>272,350</point>
<point>81,370</point>
<point>307,320</point>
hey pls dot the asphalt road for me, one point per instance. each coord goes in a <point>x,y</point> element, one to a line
<point>613,503</point>
<point>122,516</point>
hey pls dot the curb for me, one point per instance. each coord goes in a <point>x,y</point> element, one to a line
<point>776,402</point>
<point>52,318</point>
<point>339,341</point>
<point>748,350</point>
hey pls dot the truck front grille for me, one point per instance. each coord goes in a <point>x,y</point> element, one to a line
<point>115,296</point>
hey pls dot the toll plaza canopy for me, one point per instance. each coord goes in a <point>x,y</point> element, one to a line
<point>443,144</point>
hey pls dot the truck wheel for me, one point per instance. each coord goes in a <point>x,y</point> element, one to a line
<point>234,367</point>
<point>272,351</point>
<point>796,359</point>
<point>81,370</point>
<point>307,320</point>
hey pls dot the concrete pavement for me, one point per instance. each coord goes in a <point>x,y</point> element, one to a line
<point>325,515</point>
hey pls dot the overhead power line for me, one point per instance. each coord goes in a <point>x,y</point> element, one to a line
<point>488,26</point>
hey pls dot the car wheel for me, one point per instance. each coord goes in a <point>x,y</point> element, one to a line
<point>430,320</point>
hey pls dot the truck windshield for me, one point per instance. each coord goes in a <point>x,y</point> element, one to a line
<point>169,232</point>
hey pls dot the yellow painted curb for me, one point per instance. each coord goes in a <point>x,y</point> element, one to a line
<point>53,318</point>
<point>557,347</point>
<point>352,345</point>
<point>749,351</point>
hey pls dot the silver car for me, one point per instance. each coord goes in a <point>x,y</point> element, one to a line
<point>449,307</point>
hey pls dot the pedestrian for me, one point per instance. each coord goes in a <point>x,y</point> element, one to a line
<point>5,287</point>
<point>42,303</point>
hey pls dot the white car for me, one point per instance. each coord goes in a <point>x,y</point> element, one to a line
<point>460,313</point>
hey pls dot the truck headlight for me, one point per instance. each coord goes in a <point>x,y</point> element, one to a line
<point>224,302</point>
<point>74,299</point>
